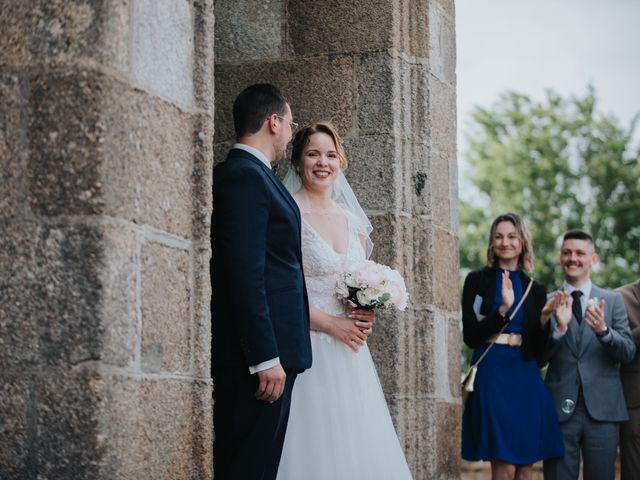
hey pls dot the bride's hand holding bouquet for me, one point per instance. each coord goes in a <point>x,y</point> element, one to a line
<point>369,285</point>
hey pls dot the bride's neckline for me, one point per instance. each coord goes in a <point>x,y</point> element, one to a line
<point>317,234</point>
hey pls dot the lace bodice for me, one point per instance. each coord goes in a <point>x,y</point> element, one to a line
<point>322,266</point>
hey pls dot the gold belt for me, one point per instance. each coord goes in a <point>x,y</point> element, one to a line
<point>511,339</point>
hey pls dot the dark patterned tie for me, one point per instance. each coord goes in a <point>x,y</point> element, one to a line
<point>577,305</point>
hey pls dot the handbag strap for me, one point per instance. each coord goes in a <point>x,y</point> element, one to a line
<point>513,314</point>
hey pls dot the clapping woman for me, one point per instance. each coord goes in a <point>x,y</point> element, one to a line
<point>509,418</point>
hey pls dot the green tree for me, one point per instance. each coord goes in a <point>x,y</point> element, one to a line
<point>561,165</point>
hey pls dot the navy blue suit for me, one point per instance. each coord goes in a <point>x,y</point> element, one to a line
<point>260,311</point>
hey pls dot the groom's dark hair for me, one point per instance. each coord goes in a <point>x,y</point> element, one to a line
<point>254,105</point>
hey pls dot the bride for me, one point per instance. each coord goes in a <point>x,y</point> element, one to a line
<point>339,426</point>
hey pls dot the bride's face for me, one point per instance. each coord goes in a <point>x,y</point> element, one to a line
<point>320,162</point>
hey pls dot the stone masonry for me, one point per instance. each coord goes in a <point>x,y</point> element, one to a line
<point>106,127</point>
<point>106,147</point>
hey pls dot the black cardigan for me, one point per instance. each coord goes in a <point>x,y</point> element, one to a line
<point>483,283</point>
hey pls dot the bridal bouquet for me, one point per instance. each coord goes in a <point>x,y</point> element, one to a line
<point>371,285</point>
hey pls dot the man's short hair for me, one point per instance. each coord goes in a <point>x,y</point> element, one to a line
<point>254,104</point>
<point>579,235</point>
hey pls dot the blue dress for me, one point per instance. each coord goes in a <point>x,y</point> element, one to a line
<point>510,415</point>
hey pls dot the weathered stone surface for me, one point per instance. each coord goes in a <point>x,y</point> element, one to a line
<point>202,177</point>
<point>421,284</point>
<point>149,160</point>
<point>52,294</point>
<point>442,44</point>
<point>337,26</point>
<point>386,344</point>
<point>68,443</point>
<point>318,88</point>
<point>420,444</point>
<point>447,426</point>
<point>433,450</point>
<point>64,31</point>
<point>221,149</point>
<point>442,117</point>
<point>11,147</point>
<point>118,319</point>
<point>377,101</point>
<point>65,134</point>
<point>454,338</point>
<point>411,27</point>
<point>166,312</point>
<point>97,146</point>
<point>453,192</point>
<point>448,6</point>
<point>373,172</point>
<point>202,310</point>
<point>417,179</point>
<point>19,276</point>
<point>400,242</point>
<point>68,294</point>
<point>441,190</point>
<point>412,118</point>
<point>203,56</point>
<point>15,404</point>
<point>249,30</point>
<point>445,267</point>
<point>163,425</point>
<point>420,358</point>
<point>162,49</point>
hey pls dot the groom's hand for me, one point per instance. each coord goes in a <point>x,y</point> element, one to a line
<point>271,384</point>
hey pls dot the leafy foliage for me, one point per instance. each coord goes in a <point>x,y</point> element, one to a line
<point>561,165</point>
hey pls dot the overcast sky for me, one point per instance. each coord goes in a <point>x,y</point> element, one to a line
<point>531,45</point>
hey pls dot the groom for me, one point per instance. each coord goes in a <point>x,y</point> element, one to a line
<point>260,311</point>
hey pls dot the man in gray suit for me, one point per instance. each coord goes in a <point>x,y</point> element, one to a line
<point>630,376</point>
<point>588,339</point>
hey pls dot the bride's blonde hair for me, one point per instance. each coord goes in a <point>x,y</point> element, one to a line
<point>301,140</point>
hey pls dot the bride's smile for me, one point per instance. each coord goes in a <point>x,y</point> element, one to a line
<point>320,162</point>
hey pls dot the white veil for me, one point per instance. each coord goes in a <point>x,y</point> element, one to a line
<point>343,195</point>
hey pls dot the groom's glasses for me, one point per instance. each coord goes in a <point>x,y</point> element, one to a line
<point>294,125</point>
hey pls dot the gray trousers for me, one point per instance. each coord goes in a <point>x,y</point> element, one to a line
<point>630,446</point>
<point>596,441</point>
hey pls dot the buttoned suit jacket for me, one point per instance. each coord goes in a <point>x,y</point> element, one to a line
<point>580,358</point>
<point>260,308</point>
<point>630,372</point>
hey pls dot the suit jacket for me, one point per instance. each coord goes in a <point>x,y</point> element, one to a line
<point>482,283</point>
<point>580,358</point>
<point>259,300</point>
<point>630,372</point>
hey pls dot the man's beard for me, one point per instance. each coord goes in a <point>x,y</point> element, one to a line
<point>280,153</point>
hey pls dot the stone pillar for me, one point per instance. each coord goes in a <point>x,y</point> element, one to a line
<point>106,125</point>
<point>383,71</point>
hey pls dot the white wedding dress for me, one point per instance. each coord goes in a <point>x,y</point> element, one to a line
<point>339,426</point>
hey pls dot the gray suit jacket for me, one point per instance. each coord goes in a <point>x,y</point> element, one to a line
<point>579,357</point>
<point>630,373</point>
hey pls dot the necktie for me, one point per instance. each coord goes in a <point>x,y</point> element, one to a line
<point>577,305</point>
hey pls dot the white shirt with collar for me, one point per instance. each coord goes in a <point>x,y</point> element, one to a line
<point>253,151</point>
<point>263,158</point>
